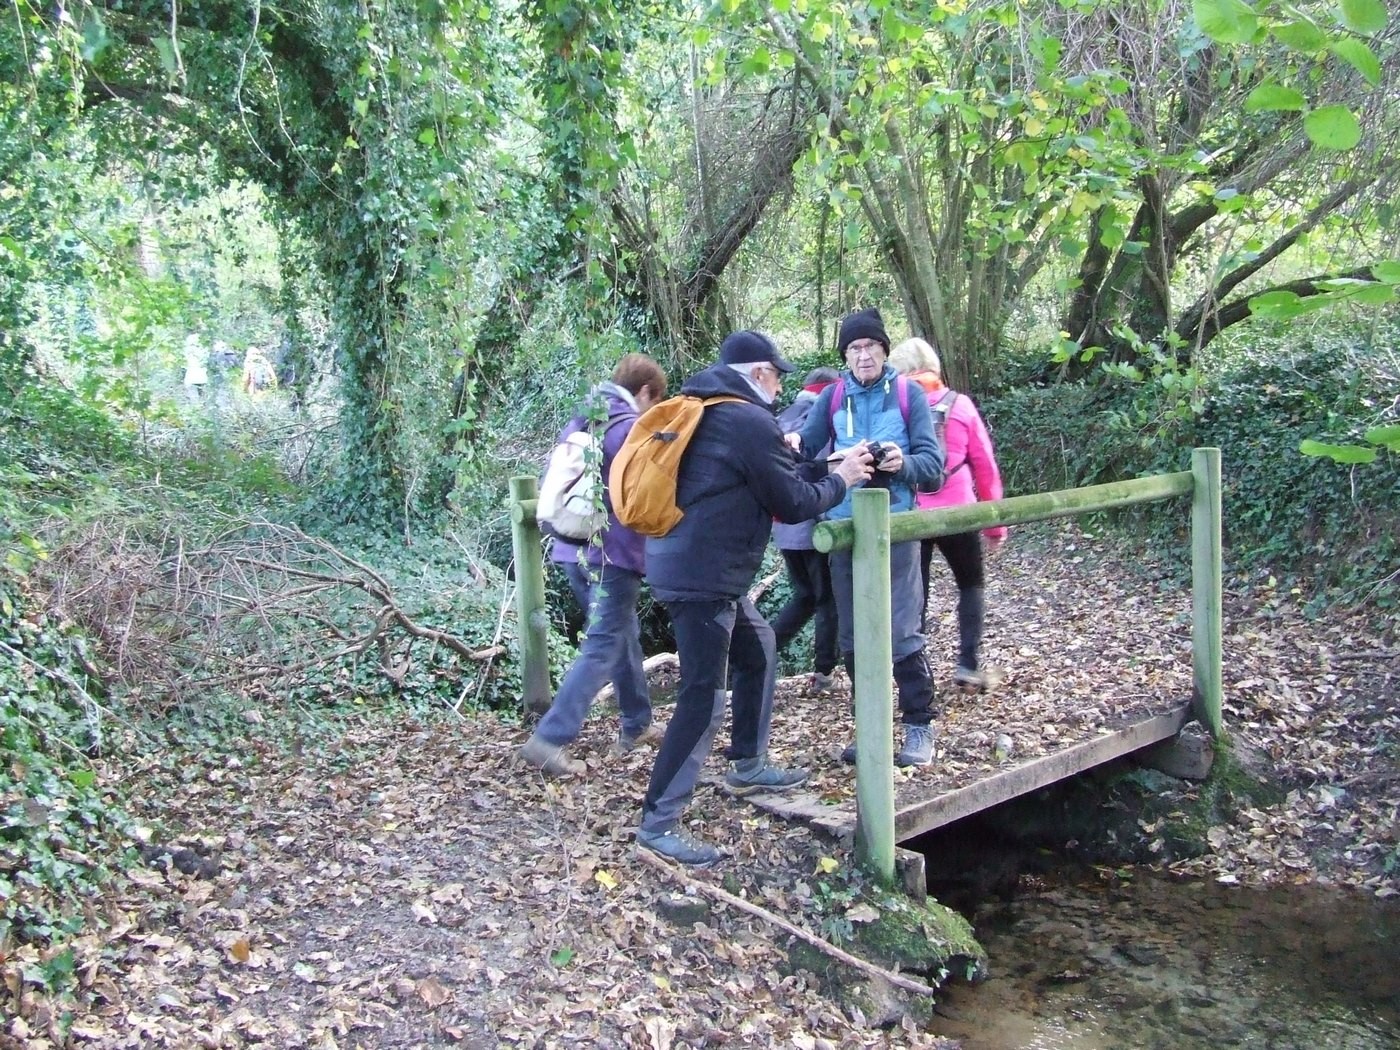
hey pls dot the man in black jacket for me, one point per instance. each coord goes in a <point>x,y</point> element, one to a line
<point>737,475</point>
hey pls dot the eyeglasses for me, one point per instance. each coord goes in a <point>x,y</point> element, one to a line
<point>864,346</point>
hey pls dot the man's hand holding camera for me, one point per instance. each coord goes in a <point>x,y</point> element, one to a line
<point>852,466</point>
<point>886,456</point>
<point>859,462</point>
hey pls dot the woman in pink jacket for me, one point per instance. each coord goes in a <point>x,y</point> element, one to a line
<point>970,474</point>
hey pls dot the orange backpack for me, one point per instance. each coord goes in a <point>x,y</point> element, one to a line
<point>642,481</point>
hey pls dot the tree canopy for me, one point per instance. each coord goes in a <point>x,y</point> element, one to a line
<point>1136,176</point>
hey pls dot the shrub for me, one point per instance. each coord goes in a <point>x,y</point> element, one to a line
<point>1283,511</point>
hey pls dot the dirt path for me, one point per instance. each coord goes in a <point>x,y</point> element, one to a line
<point>404,886</point>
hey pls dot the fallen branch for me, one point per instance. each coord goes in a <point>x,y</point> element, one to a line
<point>759,589</point>
<point>896,979</point>
<point>1374,654</point>
<point>650,664</point>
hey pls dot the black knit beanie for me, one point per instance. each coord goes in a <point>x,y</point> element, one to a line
<point>862,324</point>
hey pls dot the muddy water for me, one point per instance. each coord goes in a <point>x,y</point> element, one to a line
<point>1101,962</point>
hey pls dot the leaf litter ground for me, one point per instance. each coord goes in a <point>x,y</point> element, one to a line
<point>410,887</point>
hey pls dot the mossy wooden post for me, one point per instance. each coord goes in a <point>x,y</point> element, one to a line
<point>1206,612</point>
<point>870,585</point>
<point>531,612</point>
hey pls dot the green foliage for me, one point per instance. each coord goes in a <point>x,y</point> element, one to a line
<point>1283,512</point>
<point>61,826</point>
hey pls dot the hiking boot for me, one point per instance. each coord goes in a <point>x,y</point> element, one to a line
<point>751,775</point>
<point>679,845</point>
<point>918,746</point>
<point>549,759</point>
<point>971,682</point>
<point>651,736</point>
<point>822,684</point>
<point>848,754</point>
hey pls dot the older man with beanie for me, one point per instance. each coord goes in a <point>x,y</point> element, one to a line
<point>871,405</point>
<point>736,476</point>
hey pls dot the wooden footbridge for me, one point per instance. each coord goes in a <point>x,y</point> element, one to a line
<point>888,806</point>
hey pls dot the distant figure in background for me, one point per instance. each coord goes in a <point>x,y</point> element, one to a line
<point>970,474</point>
<point>258,373</point>
<point>196,365</point>
<point>808,569</point>
<point>605,574</point>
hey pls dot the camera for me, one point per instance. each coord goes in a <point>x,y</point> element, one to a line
<point>877,454</point>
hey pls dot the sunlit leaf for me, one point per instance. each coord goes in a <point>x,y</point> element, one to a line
<point>1387,436</point>
<point>1301,35</point>
<point>1226,21</point>
<point>1373,294</point>
<point>1337,453</point>
<point>1359,57</point>
<point>1363,16</point>
<point>1268,97</point>
<point>1388,271</point>
<point>1271,302</point>
<point>1332,127</point>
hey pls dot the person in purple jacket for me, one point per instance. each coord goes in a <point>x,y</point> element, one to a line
<point>605,575</point>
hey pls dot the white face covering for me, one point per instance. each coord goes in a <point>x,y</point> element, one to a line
<point>745,370</point>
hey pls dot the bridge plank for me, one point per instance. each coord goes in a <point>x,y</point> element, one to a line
<point>946,807</point>
<point>951,806</point>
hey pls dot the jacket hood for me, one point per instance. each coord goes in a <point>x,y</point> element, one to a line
<point>722,381</point>
<point>930,382</point>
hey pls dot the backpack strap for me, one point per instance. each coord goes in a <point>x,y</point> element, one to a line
<point>942,409</point>
<point>838,394</point>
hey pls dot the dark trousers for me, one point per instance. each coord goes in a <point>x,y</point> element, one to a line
<point>913,679</point>
<point>809,577</point>
<point>715,640</point>
<point>963,553</point>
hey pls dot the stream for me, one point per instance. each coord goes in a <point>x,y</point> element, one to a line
<point>1093,959</point>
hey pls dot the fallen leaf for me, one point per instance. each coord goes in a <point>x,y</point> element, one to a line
<point>431,991</point>
<point>862,912</point>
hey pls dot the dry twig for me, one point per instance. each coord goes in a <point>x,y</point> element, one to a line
<point>869,968</point>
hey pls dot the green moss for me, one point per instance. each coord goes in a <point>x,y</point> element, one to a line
<point>925,938</point>
<point>1230,788</point>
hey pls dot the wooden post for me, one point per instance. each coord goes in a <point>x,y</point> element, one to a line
<point>870,601</point>
<point>1206,605</point>
<point>532,615</point>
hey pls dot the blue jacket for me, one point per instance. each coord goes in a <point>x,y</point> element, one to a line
<point>873,413</point>
<point>736,476</point>
<point>621,546</point>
